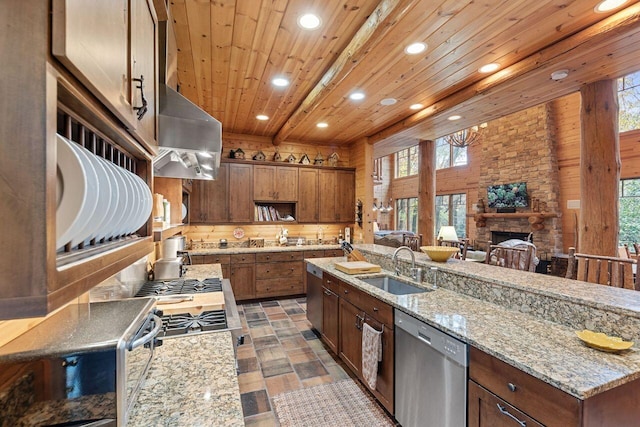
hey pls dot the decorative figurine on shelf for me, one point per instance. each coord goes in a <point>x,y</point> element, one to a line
<point>480,208</point>
<point>238,154</point>
<point>291,158</point>
<point>319,160</point>
<point>283,236</point>
<point>276,156</point>
<point>535,204</point>
<point>333,159</point>
<point>305,160</point>
<point>259,156</point>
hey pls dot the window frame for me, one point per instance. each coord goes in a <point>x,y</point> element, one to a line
<point>452,214</point>
<point>411,223</point>
<point>412,156</point>
<point>450,163</point>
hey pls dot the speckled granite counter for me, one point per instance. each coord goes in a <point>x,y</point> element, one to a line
<point>521,318</point>
<point>203,271</point>
<point>192,382</point>
<point>244,250</point>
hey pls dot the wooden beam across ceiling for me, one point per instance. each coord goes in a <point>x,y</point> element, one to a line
<point>385,16</point>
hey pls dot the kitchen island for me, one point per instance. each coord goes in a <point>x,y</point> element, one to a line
<point>192,380</point>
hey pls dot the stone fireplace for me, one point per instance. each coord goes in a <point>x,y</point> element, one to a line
<point>521,147</point>
<point>501,236</point>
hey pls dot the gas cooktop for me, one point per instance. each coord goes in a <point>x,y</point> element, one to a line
<point>181,324</point>
<point>179,286</point>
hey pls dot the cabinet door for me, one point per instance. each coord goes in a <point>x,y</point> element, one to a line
<point>327,196</point>
<point>286,184</point>
<point>307,208</point>
<point>385,379</point>
<point>488,410</point>
<point>350,342</point>
<point>242,279</point>
<point>209,199</point>
<point>144,65</point>
<point>264,183</point>
<point>91,39</point>
<point>240,193</point>
<point>345,196</point>
<point>330,317</point>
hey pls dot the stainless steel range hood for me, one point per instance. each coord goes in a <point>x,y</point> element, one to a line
<point>190,140</point>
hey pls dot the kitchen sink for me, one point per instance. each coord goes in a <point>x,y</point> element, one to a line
<point>392,285</point>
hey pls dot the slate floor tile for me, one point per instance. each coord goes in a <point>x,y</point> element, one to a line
<point>308,334</point>
<point>268,354</point>
<point>282,383</point>
<point>276,367</point>
<point>248,365</point>
<point>265,341</point>
<point>311,369</point>
<point>255,402</point>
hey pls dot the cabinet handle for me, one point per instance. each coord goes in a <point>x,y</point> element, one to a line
<point>142,110</point>
<point>326,292</point>
<point>268,258</point>
<point>512,387</point>
<point>346,291</point>
<point>375,309</point>
<point>359,319</point>
<point>504,411</point>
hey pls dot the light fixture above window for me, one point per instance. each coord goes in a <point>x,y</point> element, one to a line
<point>322,125</point>
<point>559,74</point>
<point>465,137</point>
<point>262,117</point>
<point>388,101</point>
<point>357,96</point>
<point>415,48</point>
<point>416,106</point>
<point>454,117</point>
<point>489,68</point>
<point>280,82</point>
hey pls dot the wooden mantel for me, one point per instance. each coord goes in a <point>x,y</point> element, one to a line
<point>536,219</point>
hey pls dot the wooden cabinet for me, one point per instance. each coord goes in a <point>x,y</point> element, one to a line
<point>331,315</point>
<point>350,336</point>
<point>279,274</point>
<point>307,210</point>
<point>243,275</point>
<point>223,260</point>
<point>488,410</point>
<point>209,199</point>
<point>240,193</point>
<point>93,42</point>
<point>336,196</point>
<point>275,183</point>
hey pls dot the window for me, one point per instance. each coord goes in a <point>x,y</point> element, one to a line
<point>407,162</point>
<point>451,209</point>
<point>629,208</point>
<point>407,214</point>
<point>629,101</point>
<point>448,156</point>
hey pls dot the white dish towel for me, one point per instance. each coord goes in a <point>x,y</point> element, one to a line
<point>371,354</point>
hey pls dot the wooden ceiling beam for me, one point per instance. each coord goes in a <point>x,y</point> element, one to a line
<point>615,26</point>
<point>386,15</point>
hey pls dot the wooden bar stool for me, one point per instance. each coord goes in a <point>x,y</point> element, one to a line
<point>604,270</point>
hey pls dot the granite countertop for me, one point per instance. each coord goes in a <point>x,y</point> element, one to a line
<point>203,271</point>
<point>245,250</point>
<point>545,349</point>
<point>192,382</point>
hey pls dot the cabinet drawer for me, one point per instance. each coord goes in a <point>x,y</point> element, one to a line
<point>242,258</point>
<point>278,287</point>
<point>377,309</point>
<point>486,409</point>
<point>349,293</point>
<point>279,256</point>
<point>333,252</point>
<point>532,396</point>
<point>314,254</point>
<point>216,259</point>
<point>331,283</point>
<point>293,270</point>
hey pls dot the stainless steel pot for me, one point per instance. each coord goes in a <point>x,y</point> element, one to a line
<point>172,245</point>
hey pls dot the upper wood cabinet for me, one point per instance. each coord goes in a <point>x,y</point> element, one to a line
<point>240,192</point>
<point>209,199</point>
<point>307,209</point>
<point>106,45</point>
<point>336,195</point>
<point>275,183</point>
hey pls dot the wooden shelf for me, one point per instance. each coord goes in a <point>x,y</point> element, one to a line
<point>536,219</point>
<point>162,233</point>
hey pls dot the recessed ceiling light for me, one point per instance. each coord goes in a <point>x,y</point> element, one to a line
<point>489,68</point>
<point>388,101</point>
<point>357,96</point>
<point>309,21</point>
<point>415,48</point>
<point>416,106</point>
<point>280,82</point>
<point>205,154</point>
<point>322,125</point>
<point>454,117</point>
<point>262,117</point>
<point>559,74</point>
<point>607,5</point>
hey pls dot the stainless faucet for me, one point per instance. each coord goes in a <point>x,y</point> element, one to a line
<point>416,273</point>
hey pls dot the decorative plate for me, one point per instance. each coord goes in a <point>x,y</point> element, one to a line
<point>238,233</point>
<point>603,342</point>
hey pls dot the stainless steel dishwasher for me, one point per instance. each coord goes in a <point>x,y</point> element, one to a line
<point>431,375</point>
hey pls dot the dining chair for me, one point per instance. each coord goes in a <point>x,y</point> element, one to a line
<point>463,244</point>
<point>516,258</point>
<point>414,241</point>
<point>623,251</point>
<point>636,247</point>
<point>604,270</point>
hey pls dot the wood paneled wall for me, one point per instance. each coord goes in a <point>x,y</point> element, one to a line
<point>361,155</point>
<point>213,233</point>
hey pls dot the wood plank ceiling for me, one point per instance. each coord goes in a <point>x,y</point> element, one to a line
<point>229,51</point>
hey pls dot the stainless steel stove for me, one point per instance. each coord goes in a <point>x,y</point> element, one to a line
<point>181,324</point>
<point>179,286</point>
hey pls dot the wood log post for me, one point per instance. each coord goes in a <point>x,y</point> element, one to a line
<point>427,192</point>
<point>599,169</point>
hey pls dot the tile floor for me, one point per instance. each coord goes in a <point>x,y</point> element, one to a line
<point>280,353</point>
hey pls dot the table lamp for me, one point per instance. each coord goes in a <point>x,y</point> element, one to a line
<point>448,232</point>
